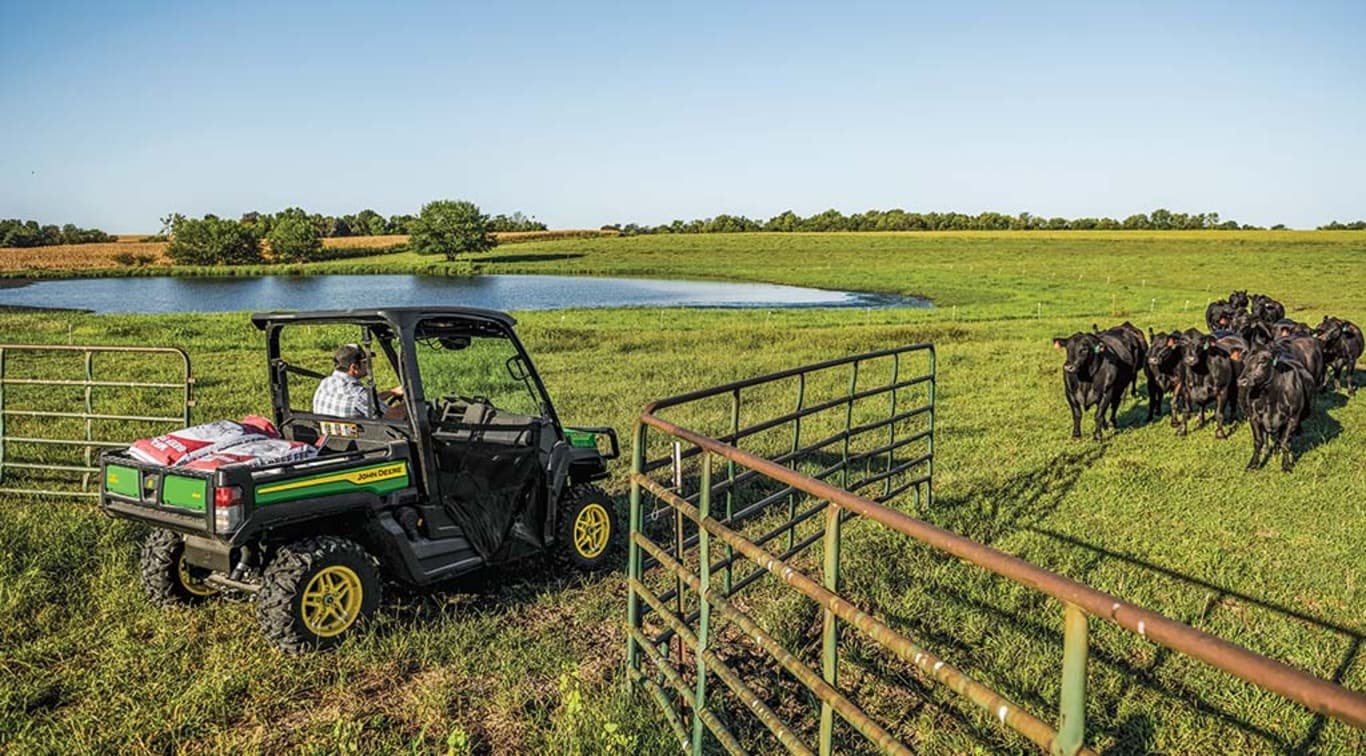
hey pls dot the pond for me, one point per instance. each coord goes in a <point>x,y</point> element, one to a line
<point>497,292</point>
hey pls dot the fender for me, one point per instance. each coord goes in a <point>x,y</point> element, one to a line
<point>289,513</point>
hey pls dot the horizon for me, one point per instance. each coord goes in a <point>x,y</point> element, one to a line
<point>595,115</point>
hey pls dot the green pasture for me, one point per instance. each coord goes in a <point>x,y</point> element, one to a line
<point>532,660</point>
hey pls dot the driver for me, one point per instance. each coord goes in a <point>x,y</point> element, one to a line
<point>342,394</point>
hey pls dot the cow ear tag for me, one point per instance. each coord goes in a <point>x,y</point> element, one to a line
<point>1275,359</point>
<point>1098,348</point>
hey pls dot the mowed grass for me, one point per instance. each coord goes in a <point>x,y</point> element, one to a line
<point>532,659</point>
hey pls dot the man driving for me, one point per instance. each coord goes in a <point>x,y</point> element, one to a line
<point>342,394</point>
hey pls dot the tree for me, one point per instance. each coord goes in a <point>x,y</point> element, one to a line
<point>450,228</point>
<point>212,241</point>
<point>295,240</point>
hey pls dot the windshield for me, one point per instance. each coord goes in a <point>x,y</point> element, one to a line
<point>476,366</point>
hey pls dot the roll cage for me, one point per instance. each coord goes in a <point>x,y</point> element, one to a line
<point>396,331</point>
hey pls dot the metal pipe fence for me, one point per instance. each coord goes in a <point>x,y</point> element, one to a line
<point>21,399</point>
<point>676,603</point>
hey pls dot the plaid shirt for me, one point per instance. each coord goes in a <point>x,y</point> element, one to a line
<point>340,395</point>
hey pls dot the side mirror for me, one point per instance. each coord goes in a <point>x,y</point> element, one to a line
<point>517,368</point>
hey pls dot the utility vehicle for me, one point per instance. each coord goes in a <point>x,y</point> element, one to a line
<point>469,468</point>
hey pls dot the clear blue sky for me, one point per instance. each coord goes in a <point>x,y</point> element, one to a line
<point>113,114</point>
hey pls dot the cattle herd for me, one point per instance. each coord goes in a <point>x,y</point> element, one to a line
<point>1253,361</point>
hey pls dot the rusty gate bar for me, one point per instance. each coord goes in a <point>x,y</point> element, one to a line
<point>90,444</point>
<point>1079,601</point>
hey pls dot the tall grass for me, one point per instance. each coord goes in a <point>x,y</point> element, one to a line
<point>530,658</point>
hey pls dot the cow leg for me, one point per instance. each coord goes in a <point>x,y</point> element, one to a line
<point>1100,416</point>
<point>1076,416</point>
<point>1351,378</point>
<point>1219,400</point>
<point>1287,456</point>
<point>1256,445</point>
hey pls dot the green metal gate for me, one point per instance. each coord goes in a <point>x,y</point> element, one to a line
<point>60,406</point>
<point>685,613</point>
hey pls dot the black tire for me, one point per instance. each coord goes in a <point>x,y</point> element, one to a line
<point>166,579</point>
<point>341,581</point>
<point>584,511</point>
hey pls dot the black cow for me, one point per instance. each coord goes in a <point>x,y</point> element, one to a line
<point>1286,327</point>
<point>1095,373</point>
<point>1308,351</point>
<point>1238,301</point>
<point>1207,376</point>
<point>1278,394</point>
<point>1252,331</point>
<point>1266,309</point>
<point>1218,315</point>
<point>1342,346</point>
<point>1128,336</point>
<point>1164,371</point>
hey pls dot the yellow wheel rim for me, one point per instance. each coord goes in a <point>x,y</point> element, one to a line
<point>592,529</point>
<point>331,601</point>
<point>195,586</point>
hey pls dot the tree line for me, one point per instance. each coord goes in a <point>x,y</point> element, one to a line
<point>29,233</point>
<point>902,220</point>
<point>367,222</point>
<point>446,227</point>
<point>1358,225</point>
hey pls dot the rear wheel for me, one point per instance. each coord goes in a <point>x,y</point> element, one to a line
<point>315,592</point>
<point>589,531</point>
<point>166,578</point>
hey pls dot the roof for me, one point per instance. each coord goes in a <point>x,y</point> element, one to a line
<point>394,315</point>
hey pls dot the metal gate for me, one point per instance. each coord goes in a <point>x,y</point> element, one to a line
<point>60,406</point>
<point>684,549</point>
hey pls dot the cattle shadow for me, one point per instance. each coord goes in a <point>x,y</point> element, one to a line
<point>1353,637</point>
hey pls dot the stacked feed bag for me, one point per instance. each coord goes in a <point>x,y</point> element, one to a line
<point>255,453</point>
<point>188,444</point>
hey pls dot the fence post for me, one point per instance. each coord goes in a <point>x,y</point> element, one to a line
<point>704,621</point>
<point>89,410</point>
<point>929,487</point>
<point>830,629</point>
<point>633,555</point>
<point>1072,704</point>
<point>730,480</point>
<point>792,463</point>
<point>2,414</point>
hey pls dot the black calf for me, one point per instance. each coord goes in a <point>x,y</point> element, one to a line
<point>1206,377</point>
<point>1342,347</point>
<point>1095,373</point>
<point>1278,396</point>
<point>1164,371</point>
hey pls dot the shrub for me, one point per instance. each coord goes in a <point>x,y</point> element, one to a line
<point>213,241</point>
<point>295,240</point>
<point>450,228</point>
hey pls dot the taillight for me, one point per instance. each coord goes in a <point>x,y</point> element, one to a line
<point>227,508</point>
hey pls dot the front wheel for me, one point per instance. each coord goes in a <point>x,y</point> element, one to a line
<point>315,591</point>
<point>589,531</point>
<point>166,578</point>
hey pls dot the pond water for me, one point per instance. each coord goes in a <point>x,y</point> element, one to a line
<point>497,292</point>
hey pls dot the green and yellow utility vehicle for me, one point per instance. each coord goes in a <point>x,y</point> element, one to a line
<point>468,468</point>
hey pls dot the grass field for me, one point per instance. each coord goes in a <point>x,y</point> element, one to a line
<point>524,662</point>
